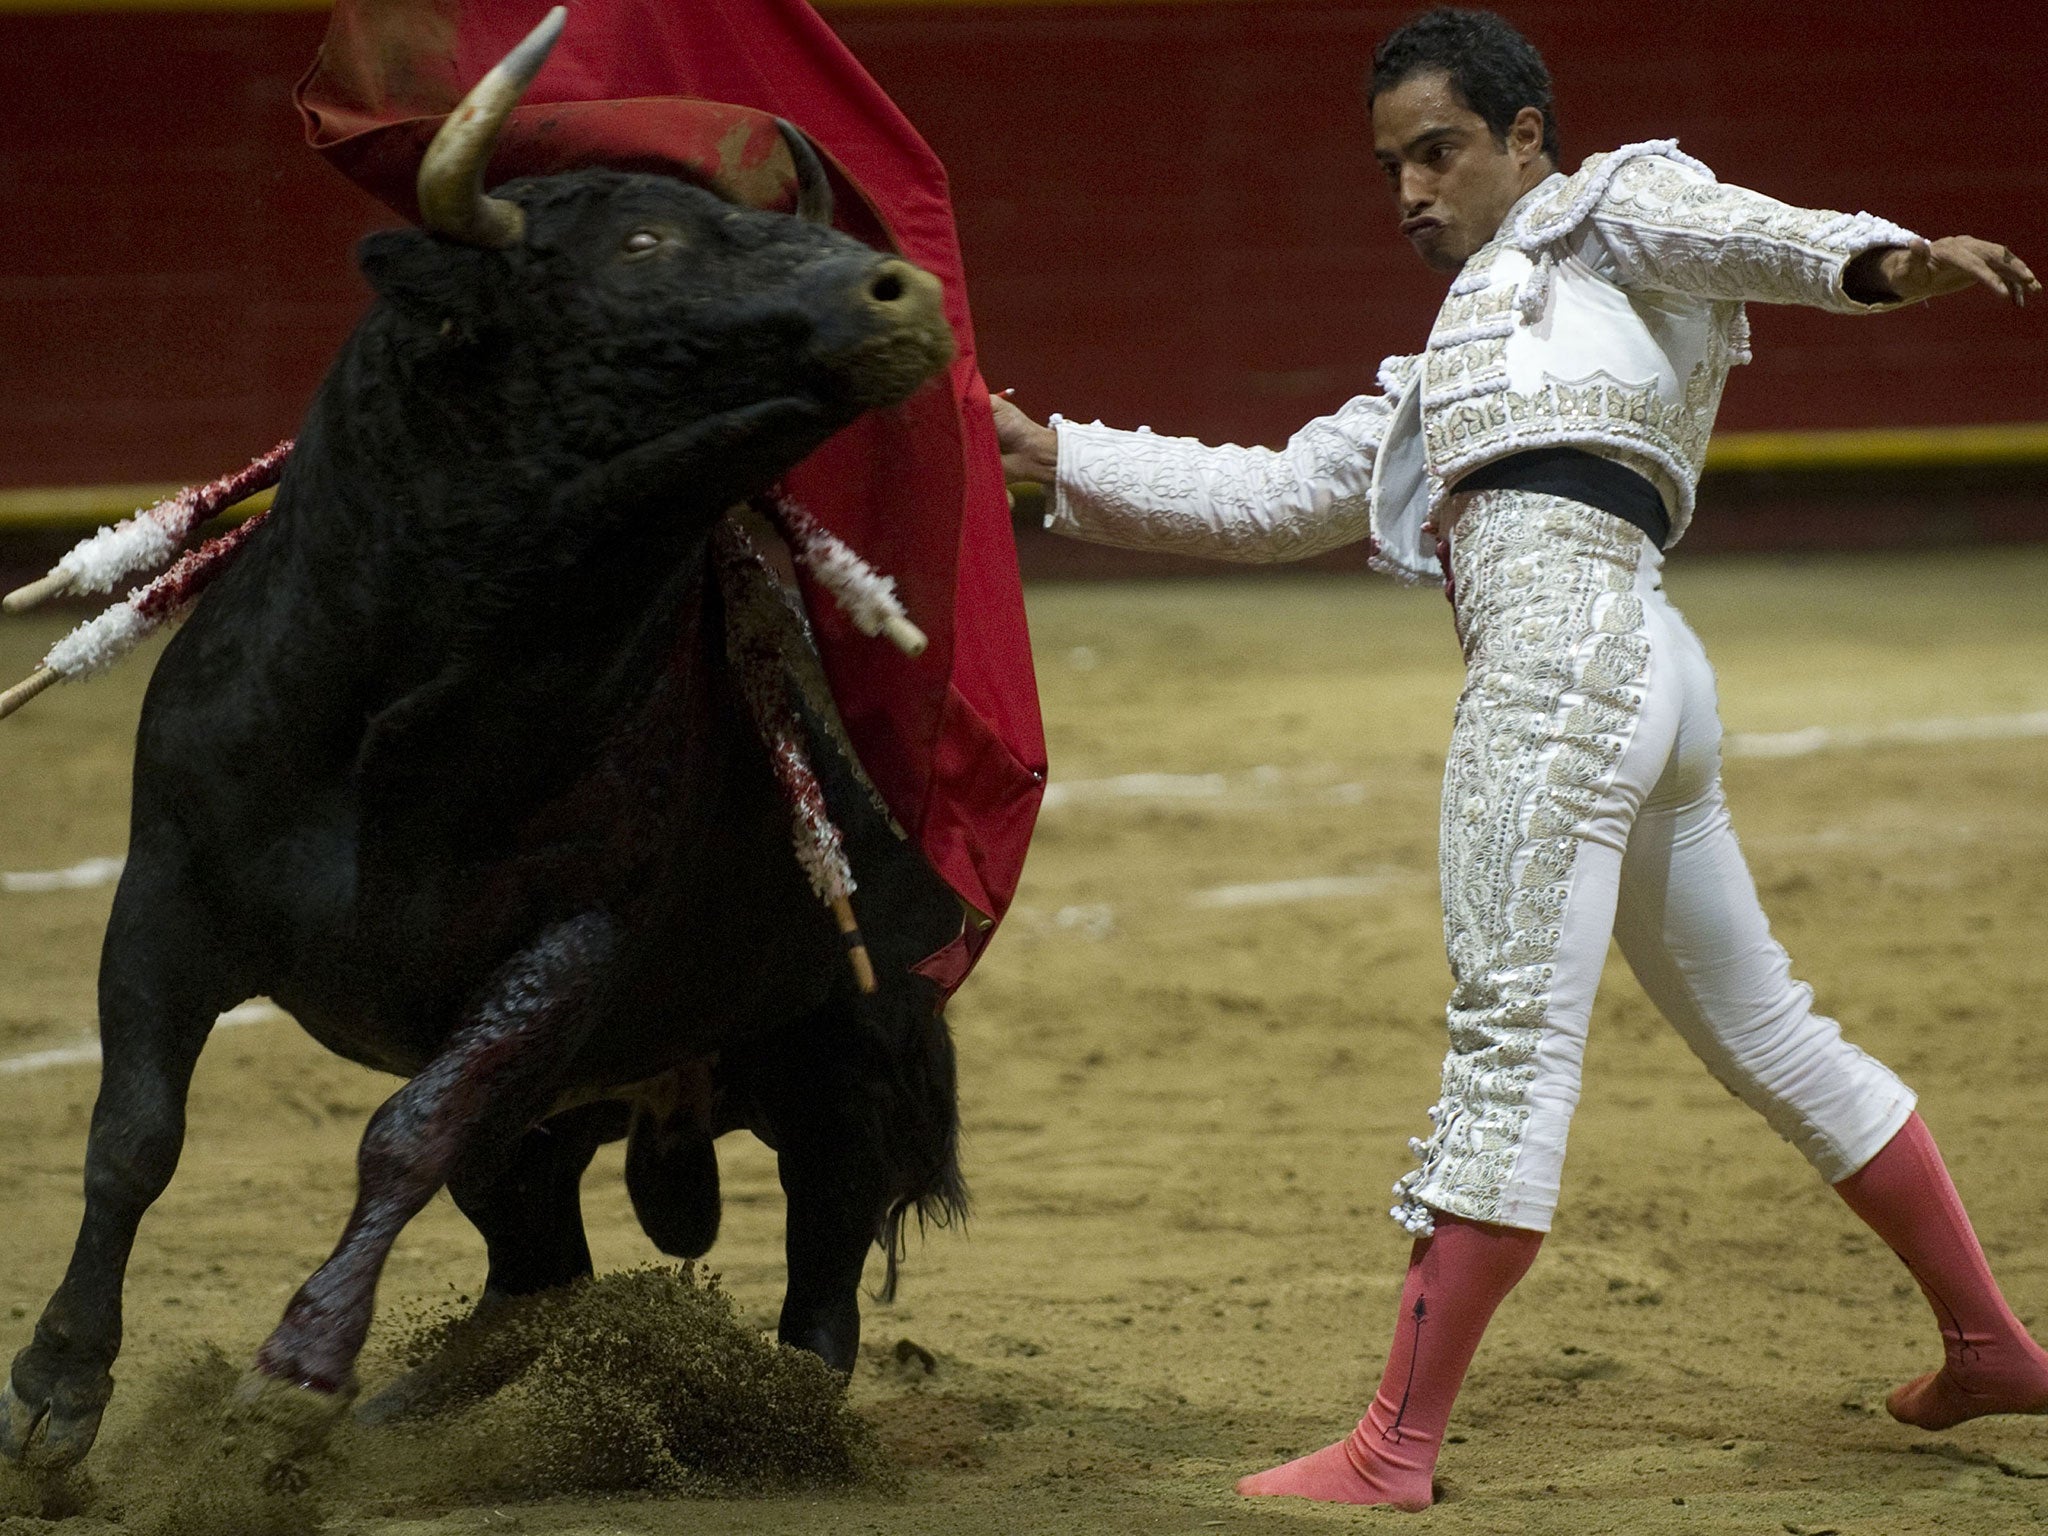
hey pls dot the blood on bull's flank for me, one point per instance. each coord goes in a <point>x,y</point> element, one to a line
<point>453,760</point>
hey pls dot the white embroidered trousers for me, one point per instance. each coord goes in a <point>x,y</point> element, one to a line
<point>1582,800</point>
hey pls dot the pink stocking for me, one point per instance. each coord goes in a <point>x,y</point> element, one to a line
<point>1992,1366</point>
<point>1455,1280</point>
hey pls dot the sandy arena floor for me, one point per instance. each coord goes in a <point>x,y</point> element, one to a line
<point>1188,1085</point>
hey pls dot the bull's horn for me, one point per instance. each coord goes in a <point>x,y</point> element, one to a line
<point>451,182</point>
<point>813,189</point>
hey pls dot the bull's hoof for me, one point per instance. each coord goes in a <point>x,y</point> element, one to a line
<point>832,1333</point>
<point>284,1421</point>
<point>66,1431</point>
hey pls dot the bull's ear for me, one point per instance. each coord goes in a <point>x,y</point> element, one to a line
<point>435,282</point>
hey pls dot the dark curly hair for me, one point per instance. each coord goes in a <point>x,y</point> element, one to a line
<point>1494,69</point>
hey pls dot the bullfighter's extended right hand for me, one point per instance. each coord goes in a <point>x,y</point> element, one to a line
<point>1031,451</point>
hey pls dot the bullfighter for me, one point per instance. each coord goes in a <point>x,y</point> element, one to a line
<point>1545,447</point>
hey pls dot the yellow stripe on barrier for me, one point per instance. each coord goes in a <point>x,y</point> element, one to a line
<point>87,506</point>
<point>2019,442</point>
<point>79,506</point>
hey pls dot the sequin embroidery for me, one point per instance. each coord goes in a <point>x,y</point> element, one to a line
<point>1556,657</point>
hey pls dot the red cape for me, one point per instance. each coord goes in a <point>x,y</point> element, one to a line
<point>951,739</point>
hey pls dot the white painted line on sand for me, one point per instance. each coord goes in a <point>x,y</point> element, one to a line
<point>1091,920</point>
<point>1258,784</point>
<point>62,1056</point>
<point>83,1052</point>
<point>1136,786</point>
<point>1261,788</point>
<point>1942,729</point>
<point>79,877</point>
<point>1270,893</point>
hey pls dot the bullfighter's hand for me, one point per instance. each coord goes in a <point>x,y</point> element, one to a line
<point>1031,452</point>
<point>1926,270</point>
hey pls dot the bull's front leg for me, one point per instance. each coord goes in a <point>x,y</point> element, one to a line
<point>497,1074</point>
<point>528,1206</point>
<point>160,988</point>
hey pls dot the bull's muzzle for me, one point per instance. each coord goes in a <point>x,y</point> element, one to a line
<point>884,327</point>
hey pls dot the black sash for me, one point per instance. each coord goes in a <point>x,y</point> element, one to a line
<point>1578,476</point>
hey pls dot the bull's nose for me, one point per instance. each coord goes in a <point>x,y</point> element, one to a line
<point>896,288</point>
<point>881,326</point>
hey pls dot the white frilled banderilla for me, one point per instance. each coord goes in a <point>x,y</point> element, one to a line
<point>144,542</point>
<point>149,539</point>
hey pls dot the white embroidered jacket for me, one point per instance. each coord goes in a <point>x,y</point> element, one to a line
<point>1604,315</point>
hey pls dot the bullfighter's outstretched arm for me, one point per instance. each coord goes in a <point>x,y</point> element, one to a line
<point>1664,224</point>
<point>1143,490</point>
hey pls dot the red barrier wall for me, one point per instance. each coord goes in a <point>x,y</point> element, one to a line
<point>1169,211</point>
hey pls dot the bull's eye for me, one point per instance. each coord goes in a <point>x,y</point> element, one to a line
<point>641,241</point>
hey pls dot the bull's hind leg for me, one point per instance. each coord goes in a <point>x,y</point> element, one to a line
<point>837,1197</point>
<point>158,999</point>
<point>465,1110</point>
<point>860,1098</point>
<point>528,1207</point>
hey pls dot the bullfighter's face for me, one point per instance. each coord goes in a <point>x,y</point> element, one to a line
<point>1453,180</point>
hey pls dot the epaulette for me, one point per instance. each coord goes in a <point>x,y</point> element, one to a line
<point>1546,221</point>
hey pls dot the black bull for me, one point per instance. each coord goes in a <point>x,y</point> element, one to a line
<point>451,763</point>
